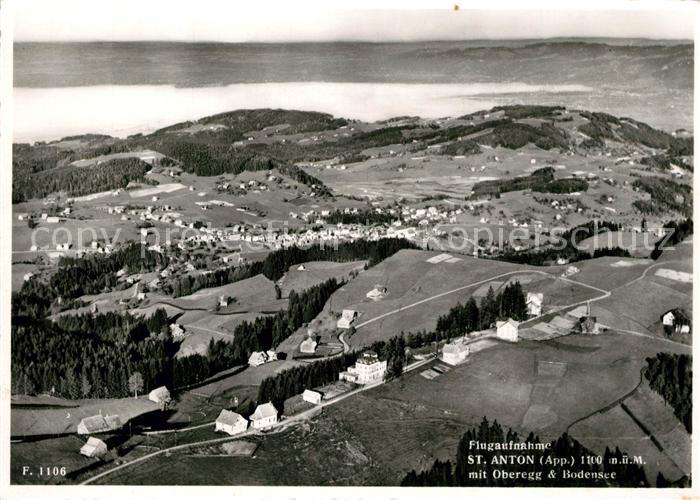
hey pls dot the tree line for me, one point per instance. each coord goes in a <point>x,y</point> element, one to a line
<point>678,232</point>
<point>78,181</point>
<point>671,375</point>
<point>462,472</point>
<point>90,274</point>
<point>98,354</point>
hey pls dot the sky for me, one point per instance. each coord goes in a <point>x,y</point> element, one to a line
<point>359,20</point>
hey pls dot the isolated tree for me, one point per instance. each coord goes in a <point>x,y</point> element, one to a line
<point>135,383</point>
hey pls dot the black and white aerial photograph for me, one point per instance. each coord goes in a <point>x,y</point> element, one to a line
<point>297,244</point>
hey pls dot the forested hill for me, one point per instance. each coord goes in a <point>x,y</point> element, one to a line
<point>266,139</point>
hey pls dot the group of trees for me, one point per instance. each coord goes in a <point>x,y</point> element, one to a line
<point>288,383</point>
<point>98,354</point>
<point>78,181</point>
<point>515,135</point>
<point>666,196</point>
<point>541,180</point>
<point>462,472</point>
<point>568,247</point>
<point>671,375</point>
<point>678,231</point>
<point>468,317</point>
<point>90,274</point>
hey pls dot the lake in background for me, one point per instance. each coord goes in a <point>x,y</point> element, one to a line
<point>123,88</point>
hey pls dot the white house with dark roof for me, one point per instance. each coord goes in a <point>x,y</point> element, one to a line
<point>230,422</point>
<point>265,416</point>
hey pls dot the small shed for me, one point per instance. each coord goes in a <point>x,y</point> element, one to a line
<point>312,397</point>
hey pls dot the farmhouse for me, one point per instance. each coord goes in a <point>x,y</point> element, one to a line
<point>99,423</point>
<point>668,319</point>
<point>312,397</point>
<point>534,303</point>
<point>261,357</point>
<point>347,318</point>
<point>507,330</point>
<point>160,396</point>
<point>308,346</point>
<point>265,416</point>
<point>378,292</point>
<point>367,370</point>
<point>455,352</point>
<point>93,448</point>
<point>230,422</point>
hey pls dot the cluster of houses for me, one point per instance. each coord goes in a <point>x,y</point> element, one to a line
<point>232,423</point>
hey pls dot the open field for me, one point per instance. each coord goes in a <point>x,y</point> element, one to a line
<point>417,290</point>
<point>629,307</point>
<point>32,454</point>
<point>316,273</point>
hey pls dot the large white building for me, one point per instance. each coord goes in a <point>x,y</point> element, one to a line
<point>367,370</point>
<point>265,416</point>
<point>231,423</point>
<point>507,330</point>
<point>347,318</point>
<point>455,352</point>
